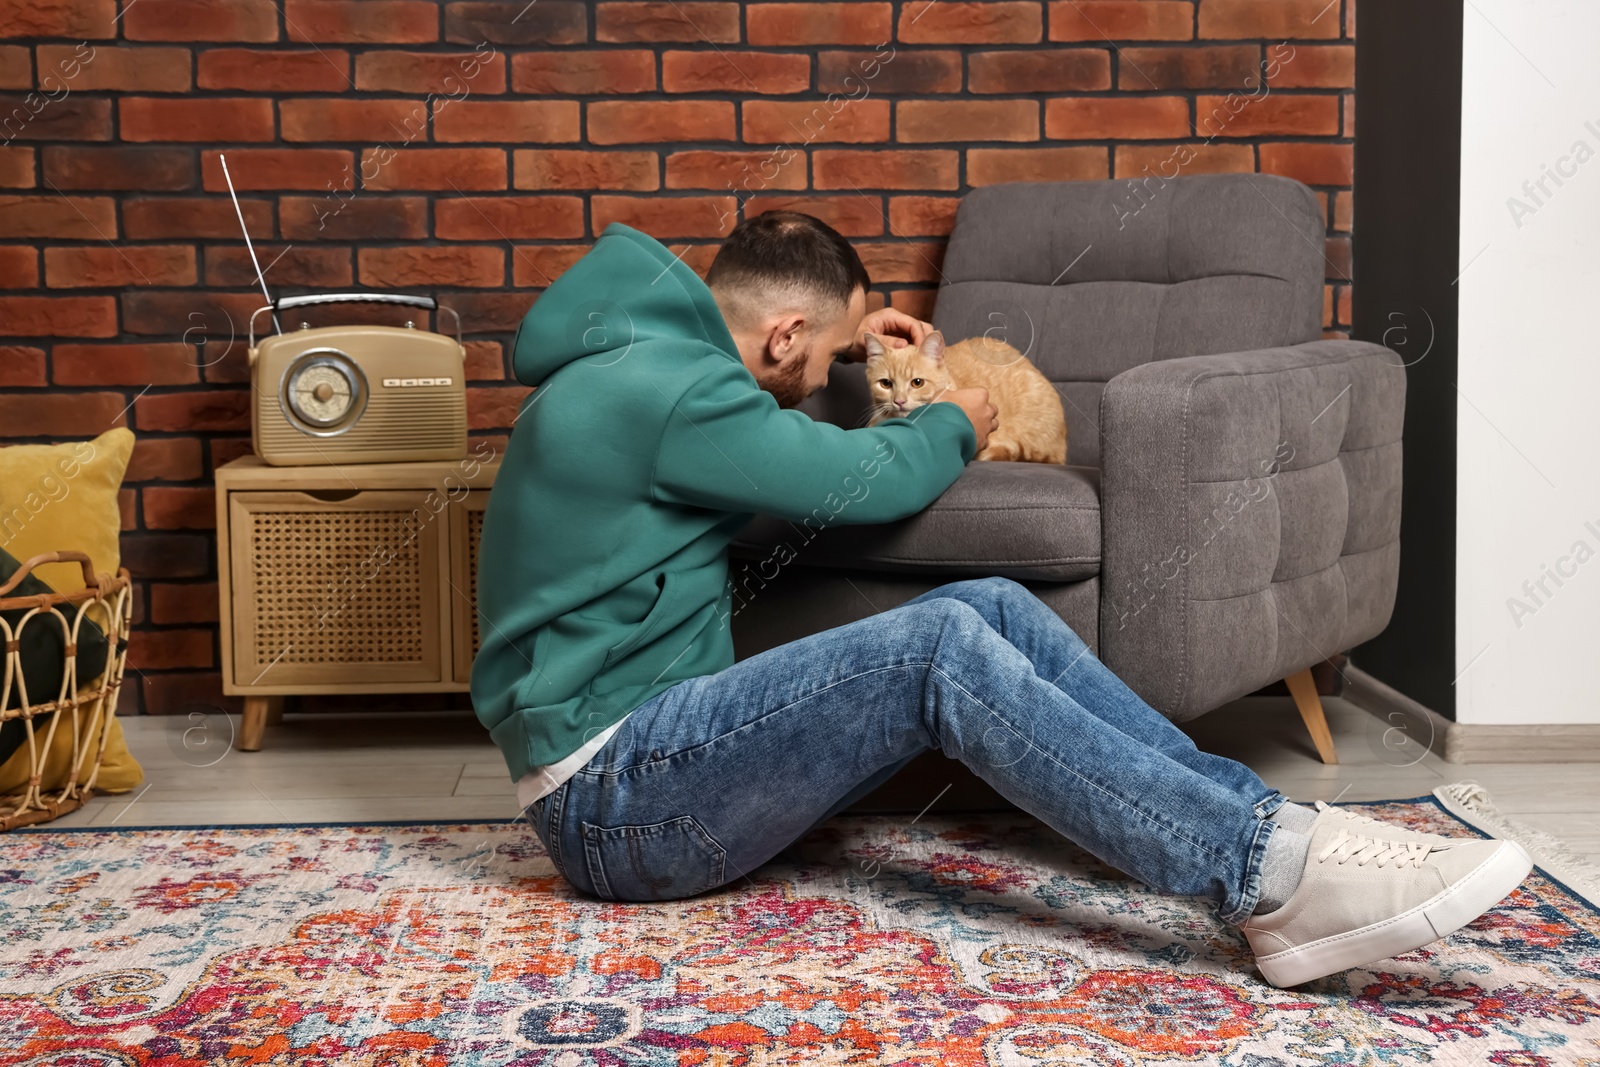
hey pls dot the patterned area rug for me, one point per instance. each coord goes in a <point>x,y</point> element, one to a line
<point>959,941</point>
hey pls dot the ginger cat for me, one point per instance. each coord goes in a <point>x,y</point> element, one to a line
<point>1033,425</point>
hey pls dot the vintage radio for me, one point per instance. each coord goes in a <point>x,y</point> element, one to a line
<point>357,394</point>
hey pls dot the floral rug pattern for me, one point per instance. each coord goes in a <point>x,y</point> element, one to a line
<point>963,940</point>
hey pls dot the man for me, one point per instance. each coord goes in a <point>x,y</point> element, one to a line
<point>652,766</point>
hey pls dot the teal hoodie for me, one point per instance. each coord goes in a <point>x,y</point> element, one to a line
<point>644,448</point>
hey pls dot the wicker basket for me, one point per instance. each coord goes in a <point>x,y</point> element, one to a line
<point>86,712</point>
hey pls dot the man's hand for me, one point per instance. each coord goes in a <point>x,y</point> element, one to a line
<point>899,328</point>
<point>975,402</point>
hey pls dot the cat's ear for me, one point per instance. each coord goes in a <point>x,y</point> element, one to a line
<point>874,345</point>
<point>933,345</point>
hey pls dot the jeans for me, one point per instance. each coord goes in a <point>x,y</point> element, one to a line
<point>711,778</point>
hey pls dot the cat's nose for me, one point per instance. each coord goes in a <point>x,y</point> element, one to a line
<point>900,403</point>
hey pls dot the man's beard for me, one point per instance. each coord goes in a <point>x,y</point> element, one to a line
<point>787,384</point>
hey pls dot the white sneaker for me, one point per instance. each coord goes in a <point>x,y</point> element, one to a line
<point>1388,831</point>
<point>1396,896</point>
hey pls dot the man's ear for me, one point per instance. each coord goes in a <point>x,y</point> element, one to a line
<point>874,345</point>
<point>933,345</point>
<point>783,339</point>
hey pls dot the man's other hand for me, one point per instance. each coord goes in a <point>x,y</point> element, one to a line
<point>899,328</point>
<point>975,402</point>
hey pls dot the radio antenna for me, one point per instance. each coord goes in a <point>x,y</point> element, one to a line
<point>250,247</point>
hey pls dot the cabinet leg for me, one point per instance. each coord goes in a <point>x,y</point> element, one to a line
<point>1304,690</point>
<point>258,711</point>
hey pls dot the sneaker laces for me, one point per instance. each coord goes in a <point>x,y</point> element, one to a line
<point>1379,824</point>
<point>1346,846</point>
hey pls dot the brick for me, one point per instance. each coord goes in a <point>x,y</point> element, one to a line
<point>60,414</point>
<point>750,72</point>
<point>197,316</point>
<point>364,218</point>
<point>34,117</point>
<point>1211,67</point>
<point>116,266</point>
<point>516,22</point>
<point>318,266</point>
<point>629,122</point>
<point>536,266</point>
<point>190,691</point>
<point>1121,20</point>
<point>21,366</point>
<point>716,23</point>
<point>1349,18</point>
<point>173,602</point>
<point>503,218</point>
<point>87,218</point>
<point>853,215</point>
<point>145,70</point>
<point>165,363</point>
<point>453,73</point>
<point>1316,67</point>
<point>1314,164</point>
<point>495,407</point>
<point>838,121</point>
<point>151,555</point>
<point>361,21</point>
<point>119,167</point>
<point>16,168</point>
<point>188,218</point>
<point>1275,19</point>
<point>667,216</point>
<point>361,121</point>
<point>966,120</point>
<point>1174,160</point>
<point>162,459</point>
<point>321,70</point>
<point>583,73</point>
<point>570,169</point>
<point>485,360</point>
<point>154,650</point>
<point>225,450</point>
<point>1057,70</point>
<point>742,172</point>
<point>1336,251</point>
<point>1346,305</point>
<point>179,507</point>
<point>16,67</point>
<point>910,261</point>
<point>536,121</point>
<point>918,303</point>
<point>434,168</point>
<point>861,73</point>
<point>128,506</point>
<point>1349,112</point>
<point>1244,115</point>
<point>19,267</point>
<point>278,168</point>
<point>155,119</point>
<point>200,20</point>
<point>194,412</point>
<point>1343,211</point>
<point>790,25</point>
<point>895,169</point>
<point>1116,118</point>
<point>79,19</point>
<point>954,22</point>
<point>64,316</point>
<point>405,267</point>
<point>922,216</point>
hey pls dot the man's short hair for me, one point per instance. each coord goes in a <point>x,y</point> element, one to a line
<point>785,258</point>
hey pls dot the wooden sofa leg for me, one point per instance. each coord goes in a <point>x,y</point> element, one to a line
<point>1304,690</point>
<point>258,711</point>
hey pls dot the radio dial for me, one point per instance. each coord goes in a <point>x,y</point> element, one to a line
<point>324,389</point>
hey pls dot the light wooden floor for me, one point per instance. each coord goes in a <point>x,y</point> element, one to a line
<point>333,768</point>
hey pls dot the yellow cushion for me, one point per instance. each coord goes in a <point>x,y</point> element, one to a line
<point>56,497</point>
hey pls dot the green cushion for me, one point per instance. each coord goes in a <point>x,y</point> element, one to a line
<point>43,653</point>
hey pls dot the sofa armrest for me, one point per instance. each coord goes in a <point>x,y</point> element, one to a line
<point>1250,516</point>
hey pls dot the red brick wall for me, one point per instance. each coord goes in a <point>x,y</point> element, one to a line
<point>122,275</point>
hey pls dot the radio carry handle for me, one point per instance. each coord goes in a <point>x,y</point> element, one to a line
<point>427,303</point>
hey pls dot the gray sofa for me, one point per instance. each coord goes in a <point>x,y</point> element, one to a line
<point>1230,511</point>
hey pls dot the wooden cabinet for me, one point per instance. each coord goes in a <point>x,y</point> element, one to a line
<point>347,579</point>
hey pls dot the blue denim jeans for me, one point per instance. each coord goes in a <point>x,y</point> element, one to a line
<point>708,780</point>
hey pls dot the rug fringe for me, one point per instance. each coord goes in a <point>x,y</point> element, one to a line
<point>1470,802</point>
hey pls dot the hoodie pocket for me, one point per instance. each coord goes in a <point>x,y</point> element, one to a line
<point>651,626</point>
<point>660,861</point>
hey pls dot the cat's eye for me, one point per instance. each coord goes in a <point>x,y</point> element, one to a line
<point>886,383</point>
<point>916,383</point>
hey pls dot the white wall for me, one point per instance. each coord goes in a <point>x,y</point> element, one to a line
<point>1528,474</point>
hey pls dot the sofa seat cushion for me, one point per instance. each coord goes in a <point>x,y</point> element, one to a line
<point>1028,521</point>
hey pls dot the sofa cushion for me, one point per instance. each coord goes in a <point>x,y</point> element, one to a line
<point>1028,521</point>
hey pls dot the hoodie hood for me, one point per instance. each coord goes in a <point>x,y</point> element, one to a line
<point>629,289</point>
